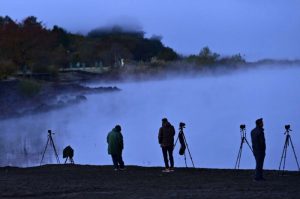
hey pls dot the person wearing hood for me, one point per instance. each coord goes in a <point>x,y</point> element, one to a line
<point>259,148</point>
<point>115,147</point>
<point>166,140</point>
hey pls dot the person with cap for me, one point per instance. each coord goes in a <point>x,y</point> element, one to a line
<point>115,147</point>
<point>259,148</point>
<point>166,140</point>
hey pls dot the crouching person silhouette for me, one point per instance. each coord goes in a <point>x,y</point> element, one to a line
<point>166,140</point>
<point>115,147</point>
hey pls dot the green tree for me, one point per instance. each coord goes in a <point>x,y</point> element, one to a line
<point>167,54</point>
<point>207,57</point>
<point>7,68</point>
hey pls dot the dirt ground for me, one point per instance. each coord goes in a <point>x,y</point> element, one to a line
<point>84,181</point>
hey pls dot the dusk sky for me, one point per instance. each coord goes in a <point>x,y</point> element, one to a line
<point>256,29</point>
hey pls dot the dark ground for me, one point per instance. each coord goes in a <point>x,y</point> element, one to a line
<point>69,181</point>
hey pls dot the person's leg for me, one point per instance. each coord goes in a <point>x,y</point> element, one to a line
<point>259,158</point>
<point>170,151</point>
<point>261,166</point>
<point>257,167</point>
<point>115,161</point>
<point>164,151</point>
<point>120,161</point>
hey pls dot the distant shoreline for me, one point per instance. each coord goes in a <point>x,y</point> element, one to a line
<point>25,97</point>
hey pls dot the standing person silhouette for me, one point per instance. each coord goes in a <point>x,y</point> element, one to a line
<point>166,140</point>
<point>115,147</point>
<point>259,148</point>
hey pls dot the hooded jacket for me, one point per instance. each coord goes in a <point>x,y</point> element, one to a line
<point>115,142</point>
<point>166,135</point>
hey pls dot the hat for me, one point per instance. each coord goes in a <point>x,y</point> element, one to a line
<point>118,128</point>
<point>164,120</point>
<point>258,121</point>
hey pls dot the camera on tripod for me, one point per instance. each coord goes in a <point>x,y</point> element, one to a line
<point>51,143</point>
<point>181,125</point>
<point>242,126</point>
<point>68,153</point>
<point>183,144</point>
<point>243,140</point>
<point>288,142</point>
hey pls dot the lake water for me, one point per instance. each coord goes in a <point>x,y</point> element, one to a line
<point>212,106</point>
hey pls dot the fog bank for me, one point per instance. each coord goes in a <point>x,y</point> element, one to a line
<point>213,107</point>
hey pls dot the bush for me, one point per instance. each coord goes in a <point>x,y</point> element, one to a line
<point>7,68</point>
<point>29,88</point>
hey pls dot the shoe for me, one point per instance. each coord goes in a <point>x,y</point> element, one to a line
<point>166,171</point>
<point>122,169</point>
<point>116,169</point>
<point>171,169</point>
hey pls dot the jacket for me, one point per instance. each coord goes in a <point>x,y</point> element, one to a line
<point>258,141</point>
<point>115,142</point>
<point>166,135</point>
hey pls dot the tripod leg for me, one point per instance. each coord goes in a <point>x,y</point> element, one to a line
<point>281,159</point>
<point>187,146</point>
<point>191,157</point>
<point>248,144</point>
<point>240,156</point>
<point>176,141</point>
<point>56,155</point>
<point>294,152</point>
<point>284,158</point>
<point>238,159</point>
<point>185,160</point>
<point>44,151</point>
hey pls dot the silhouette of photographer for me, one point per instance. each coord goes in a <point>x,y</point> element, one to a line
<point>259,148</point>
<point>115,147</point>
<point>166,140</point>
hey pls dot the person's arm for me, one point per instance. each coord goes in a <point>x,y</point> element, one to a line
<point>262,141</point>
<point>173,131</point>
<point>254,140</point>
<point>160,136</point>
<point>121,141</point>
<point>107,138</point>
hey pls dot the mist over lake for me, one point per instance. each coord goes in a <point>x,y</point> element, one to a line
<point>212,106</point>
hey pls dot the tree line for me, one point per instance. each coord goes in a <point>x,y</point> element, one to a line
<point>30,46</point>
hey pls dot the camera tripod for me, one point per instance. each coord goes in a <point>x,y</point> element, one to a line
<point>68,154</point>
<point>184,144</point>
<point>70,159</point>
<point>51,142</point>
<point>288,140</point>
<point>243,140</point>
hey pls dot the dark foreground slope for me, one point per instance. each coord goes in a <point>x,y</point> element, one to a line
<point>66,181</point>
